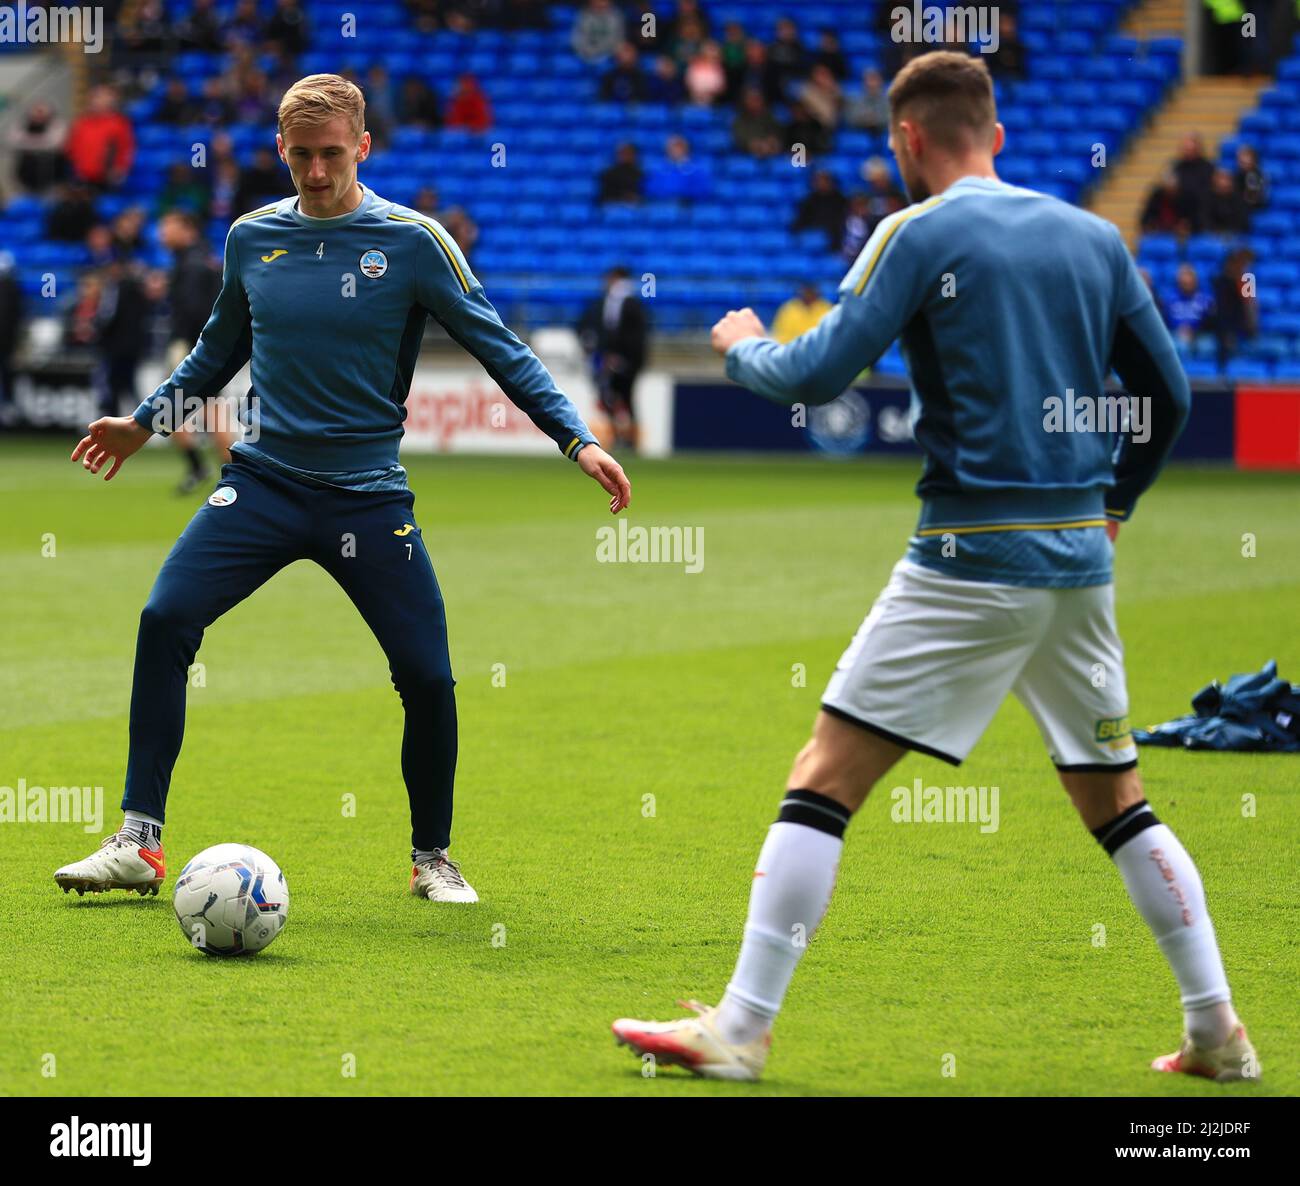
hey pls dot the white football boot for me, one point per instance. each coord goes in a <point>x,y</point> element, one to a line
<point>694,1043</point>
<point>1235,1059</point>
<point>119,863</point>
<point>440,880</point>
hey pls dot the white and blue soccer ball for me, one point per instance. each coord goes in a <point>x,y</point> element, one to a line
<point>231,899</point>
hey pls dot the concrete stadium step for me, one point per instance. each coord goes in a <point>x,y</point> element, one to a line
<point>1157,18</point>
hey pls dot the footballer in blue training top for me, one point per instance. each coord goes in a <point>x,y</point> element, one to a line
<point>1011,306</point>
<point>326,295</point>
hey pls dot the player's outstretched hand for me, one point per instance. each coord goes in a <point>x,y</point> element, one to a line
<point>1112,529</point>
<point>110,438</point>
<point>598,464</point>
<point>738,324</point>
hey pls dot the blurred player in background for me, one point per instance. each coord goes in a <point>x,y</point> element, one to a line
<point>192,288</point>
<point>1003,298</point>
<point>615,333</point>
<point>327,294</point>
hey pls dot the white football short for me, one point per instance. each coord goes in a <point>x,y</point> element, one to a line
<point>936,656</point>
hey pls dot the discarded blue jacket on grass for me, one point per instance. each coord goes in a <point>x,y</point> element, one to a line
<point>1257,712</point>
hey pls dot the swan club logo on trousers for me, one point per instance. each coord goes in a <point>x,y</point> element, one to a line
<point>374,263</point>
<point>223,497</point>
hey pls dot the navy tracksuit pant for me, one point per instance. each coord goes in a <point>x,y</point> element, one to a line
<point>370,544</point>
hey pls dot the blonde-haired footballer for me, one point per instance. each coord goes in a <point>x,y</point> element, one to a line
<point>1006,584</point>
<point>328,292</point>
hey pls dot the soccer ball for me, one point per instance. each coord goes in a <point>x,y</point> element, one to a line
<point>231,899</point>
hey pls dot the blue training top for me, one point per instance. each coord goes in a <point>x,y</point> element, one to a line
<point>331,312</point>
<point>1012,307</point>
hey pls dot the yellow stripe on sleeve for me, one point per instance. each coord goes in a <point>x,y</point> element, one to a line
<point>912,212</point>
<point>437,238</point>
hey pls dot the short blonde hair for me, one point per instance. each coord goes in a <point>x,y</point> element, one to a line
<point>319,98</point>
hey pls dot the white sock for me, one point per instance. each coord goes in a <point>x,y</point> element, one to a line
<point>144,829</point>
<point>1165,887</point>
<point>791,891</point>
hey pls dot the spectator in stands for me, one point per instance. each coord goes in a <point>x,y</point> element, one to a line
<point>99,243</point>
<point>122,332</point>
<point>625,81</point>
<point>664,85</point>
<point>870,109</point>
<point>187,188</point>
<point>255,104</point>
<point>37,144</point>
<point>426,202</point>
<point>288,27</point>
<point>243,25</point>
<point>216,108</point>
<point>787,60</point>
<point>1194,173</point>
<point>598,31</point>
<point>614,331</point>
<point>81,322</point>
<point>261,183</point>
<point>221,149</point>
<point>830,55</point>
<point>883,196</point>
<point>1225,211</point>
<point>128,233</point>
<point>192,288</point>
<point>461,227</point>
<point>706,80</point>
<point>734,45</point>
<point>200,28</point>
<point>755,129</point>
<point>679,175</point>
<point>11,315</point>
<point>857,227</point>
<point>1236,310</point>
<point>381,113</point>
<point>1008,61</point>
<point>146,39</point>
<point>757,74</point>
<point>177,106</point>
<point>822,97</point>
<point>1168,210</point>
<point>225,192</point>
<point>800,313</point>
<point>823,208</point>
<point>101,144</point>
<point>804,130</point>
<point>687,41</point>
<point>1250,181</point>
<point>687,12</point>
<point>469,107</point>
<point>624,180</point>
<point>417,105</point>
<point>71,215</point>
<point>1189,306</point>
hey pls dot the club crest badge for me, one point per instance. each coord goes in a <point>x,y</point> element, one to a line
<point>374,263</point>
<point>223,497</point>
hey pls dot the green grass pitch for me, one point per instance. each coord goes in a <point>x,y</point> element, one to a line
<point>621,681</point>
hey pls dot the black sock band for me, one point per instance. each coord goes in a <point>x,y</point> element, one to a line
<point>814,811</point>
<point>1125,826</point>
